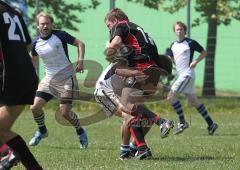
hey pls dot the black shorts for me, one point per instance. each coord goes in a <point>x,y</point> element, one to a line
<point>47,97</point>
<point>18,90</point>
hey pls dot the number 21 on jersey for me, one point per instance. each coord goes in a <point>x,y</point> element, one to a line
<point>14,23</point>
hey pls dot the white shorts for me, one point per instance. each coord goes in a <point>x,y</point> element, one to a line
<point>184,84</point>
<point>65,88</point>
<point>109,101</point>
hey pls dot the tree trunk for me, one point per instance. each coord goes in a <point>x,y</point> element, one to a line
<point>209,80</point>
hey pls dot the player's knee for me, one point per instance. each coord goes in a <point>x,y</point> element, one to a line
<point>193,101</point>
<point>190,103</point>
<point>35,109</point>
<point>64,112</point>
<point>171,97</point>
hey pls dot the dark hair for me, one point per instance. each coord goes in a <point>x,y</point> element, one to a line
<point>181,24</point>
<point>116,14</point>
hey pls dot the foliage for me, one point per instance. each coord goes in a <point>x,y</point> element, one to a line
<point>226,10</point>
<point>212,12</point>
<point>66,13</point>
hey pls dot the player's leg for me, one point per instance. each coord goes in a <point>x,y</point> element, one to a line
<point>8,115</point>
<point>193,101</point>
<point>146,126</point>
<point>125,138</point>
<point>178,87</point>
<point>134,104</point>
<point>136,130</point>
<point>3,150</point>
<point>66,112</point>
<point>128,150</point>
<point>42,96</point>
<point>40,100</point>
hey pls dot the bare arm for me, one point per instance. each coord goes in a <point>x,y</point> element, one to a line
<point>81,52</point>
<point>170,58</point>
<point>29,47</point>
<point>34,60</point>
<point>112,47</point>
<point>127,72</point>
<point>200,58</point>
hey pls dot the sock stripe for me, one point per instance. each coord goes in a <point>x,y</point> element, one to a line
<point>40,120</point>
<point>203,111</point>
<point>75,121</point>
<point>125,147</point>
<point>134,136</point>
<point>178,109</point>
<point>176,104</point>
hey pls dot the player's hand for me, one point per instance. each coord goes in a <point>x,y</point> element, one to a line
<point>193,64</point>
<point>80,66</point>
<point>109,53</point>
<point>139,75</point>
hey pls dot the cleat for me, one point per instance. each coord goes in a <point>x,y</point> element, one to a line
<point>181,127</point>
<point>133,149</point>
<point>10,160</point>
<point>37,138</point>
<point>143,154</point>
<point>125,155</point>
<point>83,139</point>
<point>4,150</point>
<point>212,128</point>
<point>165,128</point>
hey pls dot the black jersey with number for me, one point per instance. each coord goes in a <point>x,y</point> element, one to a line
<point>133,36</point>
<point>17,71</point>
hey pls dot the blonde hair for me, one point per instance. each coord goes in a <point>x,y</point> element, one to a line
<point>116,14</point>
<point>44,14</point>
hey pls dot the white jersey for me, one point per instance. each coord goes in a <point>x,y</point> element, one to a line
<point>109,85</point>
<point>53,51</point>
<point>105,92</point>
<point>103,84</point>
<point>182,53</point>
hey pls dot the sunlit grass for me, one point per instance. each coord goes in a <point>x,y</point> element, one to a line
<point>194,149</point>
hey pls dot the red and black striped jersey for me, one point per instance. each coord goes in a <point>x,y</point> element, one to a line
<point>133,36</point>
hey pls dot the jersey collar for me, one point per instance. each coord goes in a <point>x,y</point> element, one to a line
<point>181,40</point>
<point>47,37</point>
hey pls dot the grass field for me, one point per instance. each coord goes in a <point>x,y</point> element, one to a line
<point>193,149</point>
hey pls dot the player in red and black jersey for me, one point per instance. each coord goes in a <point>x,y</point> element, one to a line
<point>142,47</point>
<point>129,43</point>
<point>18,84</point>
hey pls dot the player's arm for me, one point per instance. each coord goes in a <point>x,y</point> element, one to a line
<point>34,55</point>
<point>81,52</point>
<point>113,47</point>
<point>34,60</point>
<point>127,72</point>
<point>201,56</point>
<point>29,47</point>
<point>197,47</point>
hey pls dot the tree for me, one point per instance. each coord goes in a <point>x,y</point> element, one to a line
<point>212,12</point>
<point>66,13</point>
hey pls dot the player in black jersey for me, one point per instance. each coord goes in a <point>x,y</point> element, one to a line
<point>18,83</point>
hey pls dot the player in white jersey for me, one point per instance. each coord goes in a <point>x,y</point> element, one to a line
<point>181,52</point>
<point>51,46</point>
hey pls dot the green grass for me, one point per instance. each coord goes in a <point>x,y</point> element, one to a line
<point>193,149</point>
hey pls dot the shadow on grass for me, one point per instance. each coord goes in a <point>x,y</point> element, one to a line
<point>222,135</point>
<point>200,158</point>
<point>75,148</point>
